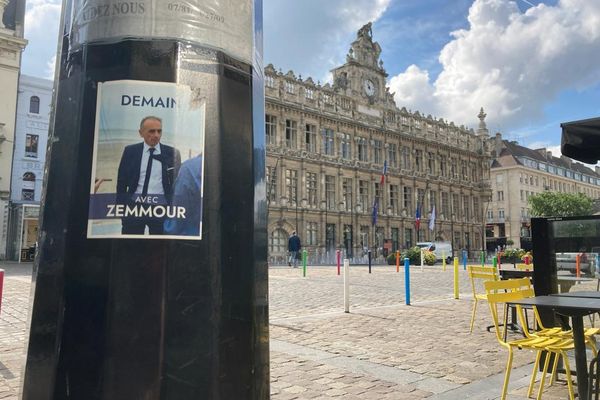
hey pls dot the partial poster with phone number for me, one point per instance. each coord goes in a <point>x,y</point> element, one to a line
<point>147,171</point>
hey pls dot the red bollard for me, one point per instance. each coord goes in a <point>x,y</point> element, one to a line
<point>1,286</point>
<point>338,260</point>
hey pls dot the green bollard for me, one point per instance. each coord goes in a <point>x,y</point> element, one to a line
<point>304,263</point>
<point>483,259</point>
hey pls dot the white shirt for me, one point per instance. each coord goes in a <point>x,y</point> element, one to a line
<point>155,184</point>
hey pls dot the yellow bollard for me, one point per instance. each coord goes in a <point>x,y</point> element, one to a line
<point>456,278</point>
<point>444,261</point>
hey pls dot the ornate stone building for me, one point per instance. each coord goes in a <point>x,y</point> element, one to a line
<point>326,148</point>
<point>517,173</point>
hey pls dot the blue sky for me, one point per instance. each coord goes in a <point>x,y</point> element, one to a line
<point>531,64</point>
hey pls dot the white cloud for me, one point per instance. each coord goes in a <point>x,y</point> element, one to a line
<point>511,63</point>
<point>312,30</point>
<point>42,19</point>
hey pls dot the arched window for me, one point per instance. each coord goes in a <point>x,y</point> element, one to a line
<point>34,105</point>
<point>29,177</point>
<point>278,242</point>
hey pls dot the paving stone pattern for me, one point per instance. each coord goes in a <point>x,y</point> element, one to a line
<point>383,349</point>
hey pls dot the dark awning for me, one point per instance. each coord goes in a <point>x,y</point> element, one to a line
<point>581,140</point>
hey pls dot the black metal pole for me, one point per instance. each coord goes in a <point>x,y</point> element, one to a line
<point>130,306</point>
<point>369,253</point>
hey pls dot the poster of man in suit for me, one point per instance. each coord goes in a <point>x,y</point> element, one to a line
<point>147,172</point>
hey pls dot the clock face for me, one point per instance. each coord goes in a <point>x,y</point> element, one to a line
<point>369,87</point>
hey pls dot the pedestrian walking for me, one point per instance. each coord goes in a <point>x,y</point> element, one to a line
<point>294,246</point>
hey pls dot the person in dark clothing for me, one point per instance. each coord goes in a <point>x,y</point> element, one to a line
<point>294,246</point>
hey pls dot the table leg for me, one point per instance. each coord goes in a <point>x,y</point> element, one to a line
<point>580,357</point>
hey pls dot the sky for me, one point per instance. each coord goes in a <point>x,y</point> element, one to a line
<point>531,64</point>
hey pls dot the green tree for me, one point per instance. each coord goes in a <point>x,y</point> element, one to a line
<point>553,204</point>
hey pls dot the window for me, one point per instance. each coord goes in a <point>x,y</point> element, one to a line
<point>291,185</point>
<point>421,200</point>
<point>466,208</point>
<point>445,204</point>
<point>430,163</point>
<point>328,141</point>
<point>310,138</point>
<point>27,194</point>
<point>455,207</point>
<point>453,168</point>
<point>271,184</point>
<point>31,145</point>
<point>394,199</point>
<point>363,152</point>
<point>309,93</point>
<point>432,200</point>
<point>311,188</point>
<point>500,195</point>
<point>363,193</point>
<point>443,166</point>
<point>407,198</point>
<point>345,149</point>
<point>378,152</point>
<point>34,105</point>
<point>490,214</point>
<point>330,192</point>
<point>311,233</point>
<point>269,81</point>
<point>278,241</point>
<point>271,129</point>
<point>419,160</point>
<point>347,193</point>
<point>377,191</point>
<point>501,213</point>
<point>291,128</point>
<point>290,87</point>
<point>476,215</point>
<point>405,157</point>
<point>393,155</point>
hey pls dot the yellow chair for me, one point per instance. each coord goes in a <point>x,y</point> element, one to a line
<point>500,292</point>
<point>478,275</point>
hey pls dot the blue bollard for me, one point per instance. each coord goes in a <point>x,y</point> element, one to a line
<point>464,260</point>
<point>407,280</point>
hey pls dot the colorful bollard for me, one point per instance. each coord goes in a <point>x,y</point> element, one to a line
<point>578,265</point>
<point>397,260</point>
<point>407,280</point>
<point>464,256</point>
<point>422,258</point>
<point>338,260</point>
<point>346,285</point>
<point>483,259</point>
<point>456,278</point>
<point>304,253</point>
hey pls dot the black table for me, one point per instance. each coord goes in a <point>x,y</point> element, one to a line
<point>589,294</point>
<point>575,308</point>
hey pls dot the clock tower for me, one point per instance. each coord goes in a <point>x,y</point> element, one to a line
<point>363,75</point>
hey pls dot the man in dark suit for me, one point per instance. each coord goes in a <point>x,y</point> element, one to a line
<point>145,179</point>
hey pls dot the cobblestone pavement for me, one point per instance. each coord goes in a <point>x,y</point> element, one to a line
<point>382,349</point>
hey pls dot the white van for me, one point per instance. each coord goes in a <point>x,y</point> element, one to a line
<point>439,249</point>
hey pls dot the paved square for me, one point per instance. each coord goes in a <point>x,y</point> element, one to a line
<point>382,349</point>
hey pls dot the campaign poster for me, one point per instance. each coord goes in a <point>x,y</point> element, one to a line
<point>147,167</point>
